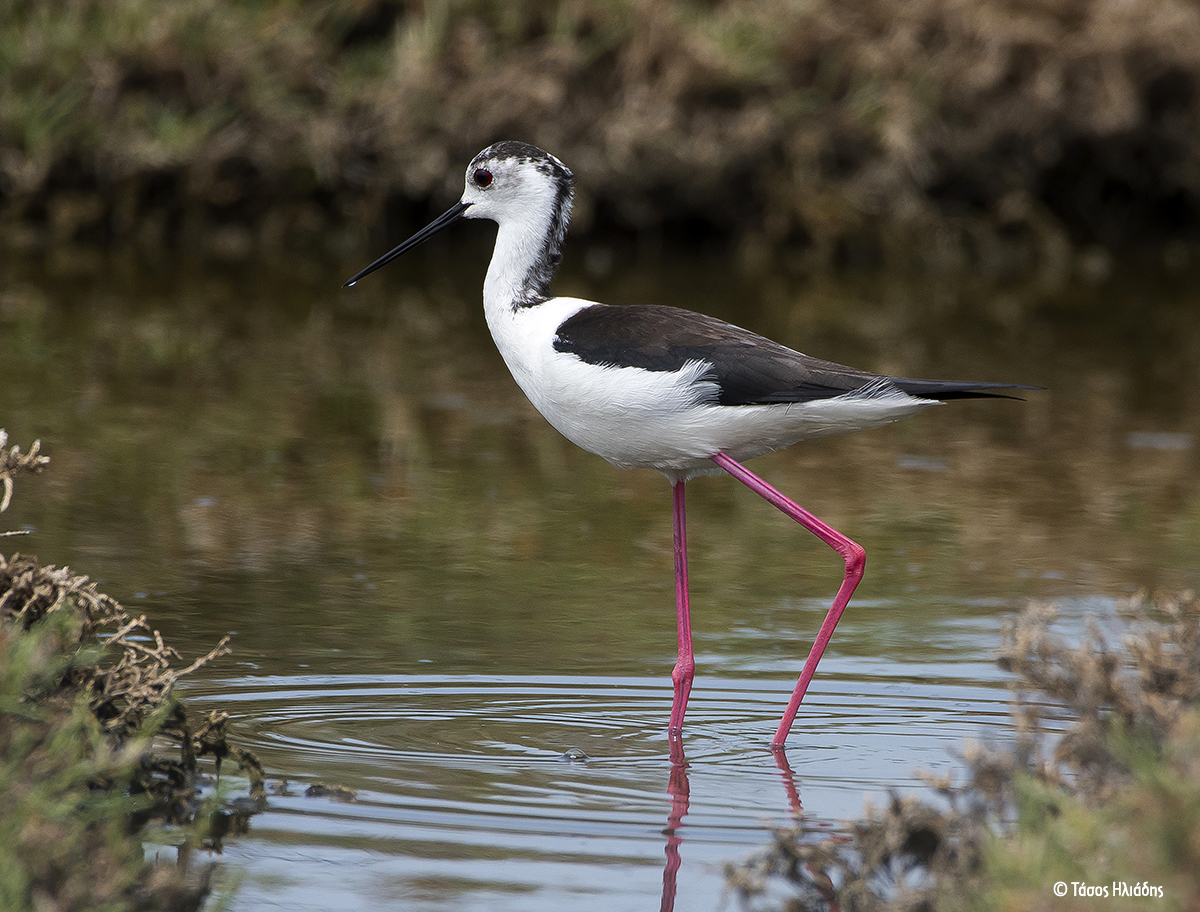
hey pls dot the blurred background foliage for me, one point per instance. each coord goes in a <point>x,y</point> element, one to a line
<point>941,133</point>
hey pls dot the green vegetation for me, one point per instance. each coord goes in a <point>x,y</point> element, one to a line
<point>85,705</point>
<point>62,836</point>
<point>1109,809</point>
<point>1006,133</point>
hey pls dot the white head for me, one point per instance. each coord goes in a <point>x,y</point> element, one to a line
<point>525,190</point>
<point>514,180</point>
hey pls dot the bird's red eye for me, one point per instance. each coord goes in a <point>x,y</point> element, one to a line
<point>482,177</point>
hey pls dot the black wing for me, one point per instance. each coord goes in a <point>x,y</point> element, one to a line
<point>748,369</point>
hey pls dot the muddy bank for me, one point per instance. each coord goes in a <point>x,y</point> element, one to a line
<point>1004,134</point>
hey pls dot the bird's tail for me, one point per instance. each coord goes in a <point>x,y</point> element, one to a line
<point>954,389</point>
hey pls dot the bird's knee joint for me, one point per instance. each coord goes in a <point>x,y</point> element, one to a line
<point>683,672</point>
<point>856,559</point>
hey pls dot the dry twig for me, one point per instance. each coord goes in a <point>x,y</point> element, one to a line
<point>13,463</point>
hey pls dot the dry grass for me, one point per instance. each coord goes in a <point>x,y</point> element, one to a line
<point>1005,133</point>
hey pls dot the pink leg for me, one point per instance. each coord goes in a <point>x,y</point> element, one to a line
<point>685,666</point>
<point>853,554</point>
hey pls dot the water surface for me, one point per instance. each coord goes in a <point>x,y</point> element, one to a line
<point>441,604</point>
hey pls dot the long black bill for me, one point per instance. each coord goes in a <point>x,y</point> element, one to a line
<point>445,220</point>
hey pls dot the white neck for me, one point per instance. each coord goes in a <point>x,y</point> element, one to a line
<point>519,261</point>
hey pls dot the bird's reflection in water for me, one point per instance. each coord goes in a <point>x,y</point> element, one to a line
<point>678,789</point>
<point>789,780</point>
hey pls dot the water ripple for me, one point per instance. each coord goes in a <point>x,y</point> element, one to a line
<point>468,796</point>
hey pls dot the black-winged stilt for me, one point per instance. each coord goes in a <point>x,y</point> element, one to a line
<point>656,387</point>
